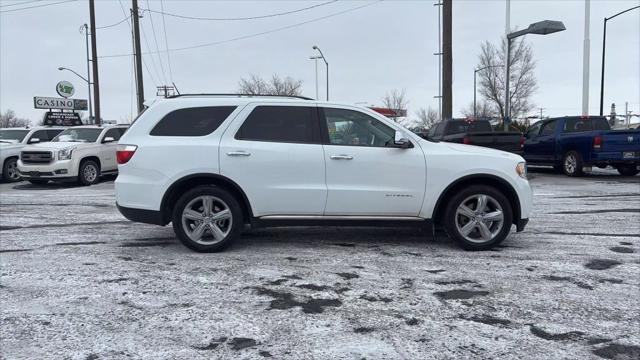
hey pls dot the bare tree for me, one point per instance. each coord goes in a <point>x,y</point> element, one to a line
<point>396,100</point>
<point>426,118</point>
<point>484,110</point>
<point>522,83</point>
<point>9,120</point>
<point>255,85</point>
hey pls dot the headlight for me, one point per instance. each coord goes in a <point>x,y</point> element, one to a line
<point>65,154</point>
<point>521,170</point>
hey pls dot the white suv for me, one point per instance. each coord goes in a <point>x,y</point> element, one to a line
<point>80,153</point>
<point>211,164</point>
<point>12,140</point>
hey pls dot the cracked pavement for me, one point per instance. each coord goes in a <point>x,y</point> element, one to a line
<point>79,281</point>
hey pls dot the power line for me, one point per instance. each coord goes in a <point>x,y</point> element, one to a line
<point>131,29</point>
<point>21,3</point>
<point>240,18</point>
<point>114,24</point>
<point>155,39</point>
<point>166,41</point>
<point>244,37</point>
<point>37,6</point>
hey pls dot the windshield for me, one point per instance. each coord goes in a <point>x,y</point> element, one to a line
<point>78,135</point>
<point>9,136</point>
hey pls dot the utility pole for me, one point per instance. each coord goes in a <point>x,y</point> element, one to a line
<point>586,46</point>
<point>447,73</point>
<point>94,55</point>
<point>315,58</point>
<point>137,55</point>
<point>541,113</point>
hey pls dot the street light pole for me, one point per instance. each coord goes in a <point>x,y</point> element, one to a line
<point>540,28</point>
<point>86,35</point>
<point>327,65</point>
<point>604,41</point>
<point>315,58</point>
<point>474,86</point>
<point>88,85</point>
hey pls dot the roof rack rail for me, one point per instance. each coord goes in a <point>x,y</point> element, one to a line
<point>240,95</point>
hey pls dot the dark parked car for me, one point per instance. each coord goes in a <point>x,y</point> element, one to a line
<point>476,132</point>
<point>573,143</point>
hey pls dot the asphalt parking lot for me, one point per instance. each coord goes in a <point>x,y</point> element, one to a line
<point>79,281</point>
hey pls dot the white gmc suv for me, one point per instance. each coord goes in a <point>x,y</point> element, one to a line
<point>12,140</point>
<point>213,163</point>
<point>80,153</point>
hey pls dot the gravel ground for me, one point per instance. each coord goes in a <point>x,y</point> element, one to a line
<point>79,281</point>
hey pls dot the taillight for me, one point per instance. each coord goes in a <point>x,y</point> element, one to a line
<point>521,142</point>
<point>124,153</point>
<point>597,142</point>
<point>466,141</point>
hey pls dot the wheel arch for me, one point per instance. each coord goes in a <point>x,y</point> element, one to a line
<point>93,158</point>
<point>185,183</point>
<point>478,179</point>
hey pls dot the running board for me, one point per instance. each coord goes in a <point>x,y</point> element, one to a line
<point>332,220</point>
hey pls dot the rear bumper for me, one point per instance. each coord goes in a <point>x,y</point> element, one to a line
<point>614,158</point>
<point>141,215</point>
<point>520,224</point>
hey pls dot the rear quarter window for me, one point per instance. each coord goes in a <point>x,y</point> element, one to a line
<point>197,121</point>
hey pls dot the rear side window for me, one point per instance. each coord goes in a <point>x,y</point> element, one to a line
<point>292,124</point>
<point>467,126</point>
<point>199,121</point>
<point>576,125</point>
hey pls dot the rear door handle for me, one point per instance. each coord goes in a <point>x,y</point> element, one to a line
<point>238,153</point>
<point>341,157</point>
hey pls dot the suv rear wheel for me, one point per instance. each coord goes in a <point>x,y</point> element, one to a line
<point>478,217</point>
<point>207,219</point>
<point>10,170</point>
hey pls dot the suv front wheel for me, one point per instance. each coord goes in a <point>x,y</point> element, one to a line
<point>478,217</point>
<point>207,219</point>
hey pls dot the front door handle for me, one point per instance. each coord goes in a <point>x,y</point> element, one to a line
<point>238,153</point>
<point>341,157</point>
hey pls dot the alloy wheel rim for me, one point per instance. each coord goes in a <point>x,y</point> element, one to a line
<point>479,218</point>
<point>90,173</point>
<point>207,220</point>
<point>570,164</point>
<point>12,169</point>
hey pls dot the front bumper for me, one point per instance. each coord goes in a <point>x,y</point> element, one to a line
<point>62,169</point>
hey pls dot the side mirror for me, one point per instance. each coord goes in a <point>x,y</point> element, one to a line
<point>400,141</point>
<point>34,140</point>
<point>108,139</point>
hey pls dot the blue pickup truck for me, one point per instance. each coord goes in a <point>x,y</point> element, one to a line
<point>576,143</point>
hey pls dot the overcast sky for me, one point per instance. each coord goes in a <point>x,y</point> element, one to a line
<point>371,50</point>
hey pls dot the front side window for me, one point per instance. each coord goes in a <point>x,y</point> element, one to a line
<point>548,128</point>
<point>198,121</point>
<point>12,136</point>
<point>78,135</point>
<point>349,127</point>
<point>533,131</point>
<point>291,124</point>
<point>52,133</point>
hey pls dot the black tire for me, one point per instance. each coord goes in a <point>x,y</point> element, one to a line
<point>223,199</point>
<point>88,173</point>
<point>10,170</point>
<point>452,219</point>
<point>627,170</point>
<point>572,164</point>
<point>39,182</point>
